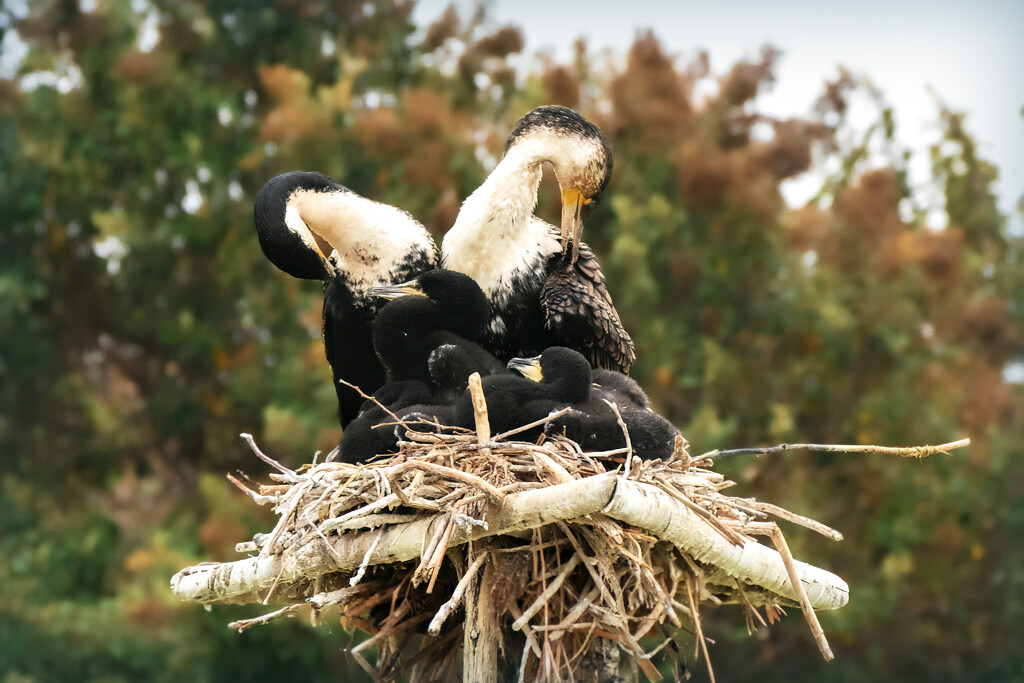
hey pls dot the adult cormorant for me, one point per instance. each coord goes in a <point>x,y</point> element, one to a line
<point>545,285</point>
<point>311,227</point>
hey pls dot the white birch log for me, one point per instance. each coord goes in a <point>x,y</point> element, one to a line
<point>641,505</point>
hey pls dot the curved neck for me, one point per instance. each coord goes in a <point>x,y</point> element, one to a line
<point>505,201</point>
<point>367,240</point>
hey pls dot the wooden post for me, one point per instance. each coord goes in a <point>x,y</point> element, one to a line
<point>491,649</point>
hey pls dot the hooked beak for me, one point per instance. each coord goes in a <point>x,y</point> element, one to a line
<point>411,288</point>
<point>572,220</point>
<point>527,367</point>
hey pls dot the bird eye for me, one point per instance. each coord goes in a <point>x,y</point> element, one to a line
<point>588,203</point>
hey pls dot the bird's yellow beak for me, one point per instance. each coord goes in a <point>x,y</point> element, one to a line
<point>573,202</point>
<point>411,288</point>
<point>527,367</point>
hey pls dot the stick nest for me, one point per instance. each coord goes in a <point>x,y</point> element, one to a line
<point>578,590</point>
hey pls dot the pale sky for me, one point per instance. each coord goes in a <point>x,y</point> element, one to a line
<point>970,52</point>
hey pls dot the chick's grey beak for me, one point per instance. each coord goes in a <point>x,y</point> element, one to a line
<point>395,291</point>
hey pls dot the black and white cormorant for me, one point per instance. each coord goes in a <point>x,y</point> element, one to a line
<point>591,422</point>
<point>311,227</point>
<point>545,286</point>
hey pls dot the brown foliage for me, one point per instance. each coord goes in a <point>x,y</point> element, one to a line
<point>652,104</point>
<point>380,131</point>
<point>940,254</point>
<point>444,27</point>
<point>137,67</point>
<point>561,85</point>
<point>805,227</point>
<point>789,153</point>
<point>445,210</point>
<point>988,399</point>
<point>745,78</point>
<point>987,324</point>
<point>505,41</point>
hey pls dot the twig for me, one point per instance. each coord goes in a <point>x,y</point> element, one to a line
<point>371,398</point>
<point>366,562</point>
<point>493,493</point>
<point>546,595</point>
<point>244,624</point>
<point>453,602</point>
<point>695,616</point>
<point>535,423</point>
<point>289,474</point>
<point>782,513</point>
<point>483,424</point>
<point>257,498</point>
<point>625,432</point>
<point>772,531</point>
<point>902,451</point>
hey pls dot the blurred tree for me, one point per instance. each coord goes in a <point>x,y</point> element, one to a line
<point>141,329</point>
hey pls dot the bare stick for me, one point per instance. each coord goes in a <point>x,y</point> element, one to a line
<point>625,432</point>
<point>270,461</point>
<point>700,632</point>
<point>365,563</point>
<point>492,493</point>
<point>546,595</point>
<point>371,398</point>
<point>535,423</point>
<point>775,534</point>
<point>902,451</point>
<point>257,498</point>
<point>245,624</point>
<point>453,603</point>
<point>782,513</point>
<point>483,424</point>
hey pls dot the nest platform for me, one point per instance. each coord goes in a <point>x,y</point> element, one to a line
<point>542,561</point>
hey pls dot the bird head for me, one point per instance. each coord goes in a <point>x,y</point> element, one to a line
<point>556,363</point>
<point>455,296</point>
<point>287,239</point>
<point>581,156</point>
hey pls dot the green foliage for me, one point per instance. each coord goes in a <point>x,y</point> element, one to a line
<point>141,329</point>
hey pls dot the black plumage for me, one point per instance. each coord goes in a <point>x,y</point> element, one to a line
<point>311,227</point>
<point>591,422</point>
<point>369,434</point>
<point>558,378</point>
<point>438,308</point>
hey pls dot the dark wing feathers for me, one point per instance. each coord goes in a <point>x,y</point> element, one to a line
<point>579,313</point>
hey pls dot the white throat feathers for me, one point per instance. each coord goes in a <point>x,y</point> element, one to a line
<point>496,233</point>
<point>368,241</point>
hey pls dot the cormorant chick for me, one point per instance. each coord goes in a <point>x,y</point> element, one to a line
<point>367,435</point>
<point>591,422</point>
<point>438,308</point>
<point>513,401</point>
